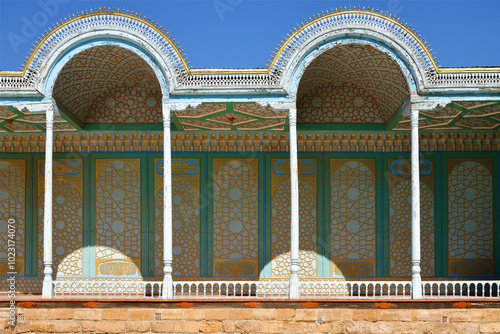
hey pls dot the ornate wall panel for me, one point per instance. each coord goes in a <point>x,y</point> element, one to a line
<point>118,217</point>
<point>127,103</point>
<point>352,217</point>
<point>470,217</point>
<point>235,216</point>
<point>12,206</point>
<point>400,217</point>
<point>67,216</point>
<point>338,102</point>
<point>185,220</point>
<point>280,217</point>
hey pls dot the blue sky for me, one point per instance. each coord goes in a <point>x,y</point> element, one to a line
<point>243,33</point>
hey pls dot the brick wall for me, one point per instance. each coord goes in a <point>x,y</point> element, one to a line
<point>269,317</point>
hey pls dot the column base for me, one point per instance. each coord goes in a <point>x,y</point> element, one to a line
<point>168,288</point>
<point>294,287</point>
<point>416,283</point>
<point>47,288</point>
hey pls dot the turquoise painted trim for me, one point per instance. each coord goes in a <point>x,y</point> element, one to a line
<point>92,216</point>
<point>267,270</point>
<point>210,215</point>
<point>380,233</point>
<point>28,244</point>
<point>86,215</point>
<point>262,213</point>
<point>151,211</point>
<point>320,224</point>
<point>398,115</point>
<point>340,127</point>
<point>385,270</point>
<point>144,215</point>
<point>381,236</point>
<point>203,214</point>
<point>438,218</point>
<point>34,218</point>
<point>444,214</point>
<point>496,215</point>
<point>327,215</point>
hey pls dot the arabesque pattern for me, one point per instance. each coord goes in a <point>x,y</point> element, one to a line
<point>337,102</point>
<point>92,72</point>
<point>235,210</point>
<point>118,209</point>
<point>470,209</point>
<point>280,219</point>
<point>127,103</point>
<point>400,218</point>
<point>67,217</point>
<point>371,95</point>
<point>352,212</point>
<point>185,219</point>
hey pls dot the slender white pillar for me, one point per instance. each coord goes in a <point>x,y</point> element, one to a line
<point>168,292</point>
<point>294,180</point>
<point>415,207</point>
<point>47,290</point>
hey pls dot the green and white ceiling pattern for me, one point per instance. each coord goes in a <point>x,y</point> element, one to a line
<point>14,120</point>
<point>458,116</point>
<point>231,116</point>
<point>252,116</point>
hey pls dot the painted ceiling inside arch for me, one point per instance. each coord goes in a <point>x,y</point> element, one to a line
<point>351,83</point>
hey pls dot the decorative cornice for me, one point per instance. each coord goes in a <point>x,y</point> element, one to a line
<point>252,142</point>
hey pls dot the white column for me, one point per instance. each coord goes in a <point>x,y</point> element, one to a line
<point>415,207</point>
<point>47,290</point>
<point>168,292</point>
<point>294,180</point>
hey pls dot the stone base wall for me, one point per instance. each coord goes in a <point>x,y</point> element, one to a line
<point>268,317</point>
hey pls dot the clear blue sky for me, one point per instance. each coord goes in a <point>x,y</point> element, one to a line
<point>243,33</point>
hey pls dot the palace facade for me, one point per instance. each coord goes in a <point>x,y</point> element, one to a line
<point>352,165</point>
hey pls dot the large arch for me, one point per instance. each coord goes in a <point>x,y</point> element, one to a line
<point>351,81</point>
<point>352,26</point>
<point>105,26</point>
<point>95,69</point>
